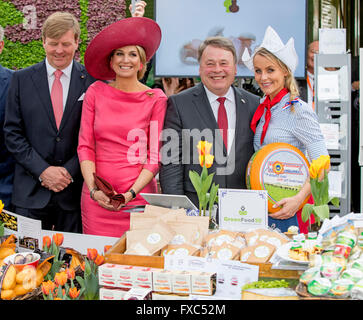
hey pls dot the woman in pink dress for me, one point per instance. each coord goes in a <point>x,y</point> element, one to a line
<point>121,123</point>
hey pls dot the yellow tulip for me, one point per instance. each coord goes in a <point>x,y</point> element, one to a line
<point>205,158</point>
<point>204,147</point>
<point>312,170</point>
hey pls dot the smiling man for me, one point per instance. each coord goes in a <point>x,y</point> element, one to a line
<point>198,113</point>
<point>42,120</point>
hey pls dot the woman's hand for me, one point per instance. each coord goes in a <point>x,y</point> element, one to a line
<point>103,200</point>
<point>289,207</point>
<point>139,9</point>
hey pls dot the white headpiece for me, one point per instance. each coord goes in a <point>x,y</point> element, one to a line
<point>272,42</point>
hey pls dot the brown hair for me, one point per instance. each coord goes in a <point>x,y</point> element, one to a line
<point>218,42</point>
<point>59,23</point>
<point>290,82</point>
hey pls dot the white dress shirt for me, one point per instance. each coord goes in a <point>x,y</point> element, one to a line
<point>230,105</point>
<point>65,79</point>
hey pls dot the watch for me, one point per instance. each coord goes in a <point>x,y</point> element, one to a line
<point>133,193</point>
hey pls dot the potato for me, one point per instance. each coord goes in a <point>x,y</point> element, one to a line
<point>9,280</point>
<point>21,290</point>
<point>26,275</point>
<point>39,277</point>
<point>5,252</point>
<point>7,294</point>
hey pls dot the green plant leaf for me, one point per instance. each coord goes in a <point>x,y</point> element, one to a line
<point>322,211</point>
<point>335,201</point>
<point>213,195</point>
<point>306,212</point>
<point>196,181</point>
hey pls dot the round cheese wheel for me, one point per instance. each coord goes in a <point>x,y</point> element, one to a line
<point>279,168</point>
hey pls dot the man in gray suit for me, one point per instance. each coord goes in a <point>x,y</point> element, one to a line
<point>198,114</point>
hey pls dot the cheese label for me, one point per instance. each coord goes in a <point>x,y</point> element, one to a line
<point>280,169</point>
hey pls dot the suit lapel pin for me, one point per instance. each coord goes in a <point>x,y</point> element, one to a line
<point>82,76</point>
<point>243,100</point>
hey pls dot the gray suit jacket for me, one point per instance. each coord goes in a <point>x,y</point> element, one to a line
<point>190,110</point>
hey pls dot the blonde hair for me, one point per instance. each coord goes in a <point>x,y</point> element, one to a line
<point>59,23</point>
<point>290,82</point>
<point>142,55</point>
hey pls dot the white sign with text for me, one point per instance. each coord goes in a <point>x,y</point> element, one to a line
<point>242,209</point>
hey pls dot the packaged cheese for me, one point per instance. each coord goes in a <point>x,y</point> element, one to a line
<point>184,233</point>
<point>272,237</point>
<point>181,250</point>
<point>203,282</point>
<point>261,252</point>
<point>162,280</point>
<point>225,251</point>
<point>150,241</point>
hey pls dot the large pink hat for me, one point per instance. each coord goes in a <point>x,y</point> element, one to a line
<point>139,31</point>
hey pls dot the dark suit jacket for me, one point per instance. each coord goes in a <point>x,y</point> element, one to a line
<point>303,89</point>
<point>190,110</point>
<point>31,135</point>
<point>7,162</point>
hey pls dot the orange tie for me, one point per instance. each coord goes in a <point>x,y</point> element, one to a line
<point>56,95</point>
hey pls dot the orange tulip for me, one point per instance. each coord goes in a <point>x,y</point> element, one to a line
<point>1,206</point>
<point>46,242</point>
<point>92,254</point>
<point>73,293</point>
<point>48,287</point>
<point>71,274</point>
<point>83,265</point>
<point>60,278</point>
<point>99,260</point>
<point>58,239</point>
<point>106,248</point>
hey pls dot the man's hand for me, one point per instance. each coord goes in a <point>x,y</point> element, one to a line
<point>139,9</point>
<point>55,178</point>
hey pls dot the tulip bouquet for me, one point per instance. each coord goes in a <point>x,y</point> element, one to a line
<point>53,290</point>
<point>206,191</point>
<point>52,246</point>
<point>89,282</point>
<point>319,182</point>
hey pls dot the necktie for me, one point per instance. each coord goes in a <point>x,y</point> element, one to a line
<point>56,95</point>
<point>223,120</point>
<point>268,104</point>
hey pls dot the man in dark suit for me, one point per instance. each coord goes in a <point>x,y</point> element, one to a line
<point>41,128</point>
<point>196,113</point>
<point>7,162</point>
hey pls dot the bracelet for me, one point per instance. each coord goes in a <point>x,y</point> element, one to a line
<point>92,192</point>
<point>133,193</point>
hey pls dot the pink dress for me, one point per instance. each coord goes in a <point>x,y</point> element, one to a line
<point>120,133</point>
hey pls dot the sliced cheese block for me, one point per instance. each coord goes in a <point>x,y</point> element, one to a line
<point>261,252</point>
<point>279,168</point>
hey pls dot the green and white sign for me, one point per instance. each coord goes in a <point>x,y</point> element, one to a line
<point>241,210</point>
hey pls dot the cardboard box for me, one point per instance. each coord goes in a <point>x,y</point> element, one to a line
<point>138,294</point>
<point>182,282</point>
<point>112,293</point>
<point>162,280</point>
<point>203,283</point>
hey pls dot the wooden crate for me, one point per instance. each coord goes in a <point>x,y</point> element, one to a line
<point>115,255</point>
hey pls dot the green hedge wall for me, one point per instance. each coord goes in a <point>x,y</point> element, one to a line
<point>22,21</point>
